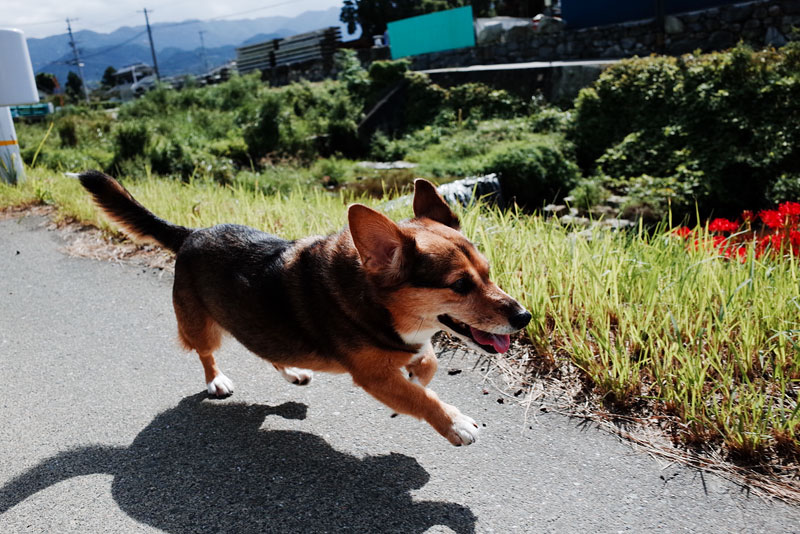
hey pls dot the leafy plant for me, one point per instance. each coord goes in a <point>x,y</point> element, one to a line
<point>720,126</point>
<point>533,174</point>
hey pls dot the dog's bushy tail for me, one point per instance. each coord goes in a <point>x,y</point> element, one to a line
<point>137,221</point>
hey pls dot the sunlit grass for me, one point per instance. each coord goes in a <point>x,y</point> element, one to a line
<point>712,342</point>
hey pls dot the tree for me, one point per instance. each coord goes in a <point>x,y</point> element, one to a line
<point>108,78</point>
<point>74,88</point>
<point>46,82</point>
<point>372,15</point>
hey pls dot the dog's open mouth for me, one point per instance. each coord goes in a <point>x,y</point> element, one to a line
<point>491,343</point>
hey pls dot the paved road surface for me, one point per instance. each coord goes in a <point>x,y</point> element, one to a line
<point>104,427</point>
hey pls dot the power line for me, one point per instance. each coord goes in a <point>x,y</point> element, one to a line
<point>114,47</point>
<point>262,8</point>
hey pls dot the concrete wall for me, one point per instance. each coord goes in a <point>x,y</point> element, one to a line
<point>759,23</point>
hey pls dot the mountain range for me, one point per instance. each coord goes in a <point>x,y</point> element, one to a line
<point>177,44</point>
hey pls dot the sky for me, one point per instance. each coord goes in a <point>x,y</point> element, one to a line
<point>48,17</point>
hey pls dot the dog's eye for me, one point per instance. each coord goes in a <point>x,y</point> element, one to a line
<point>463,285</point>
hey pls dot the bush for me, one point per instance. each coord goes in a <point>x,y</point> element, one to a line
<point>351,73</point>
<point>131,139</point>
<point>382,76</point>
<point>533,173</point>
<point>720,127</point>
<point>479,101</point>
<point>423,99</point>
<point>167,156</point>
<point>588,193</point>
<point>263,133</point>
<point>68,132</point>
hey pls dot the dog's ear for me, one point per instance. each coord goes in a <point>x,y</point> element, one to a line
<point>429,203</point>
<point>384,250</point>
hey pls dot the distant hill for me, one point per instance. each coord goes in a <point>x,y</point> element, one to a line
<point>177,44</point>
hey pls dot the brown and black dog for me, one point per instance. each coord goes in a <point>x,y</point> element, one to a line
<point>365,301</point>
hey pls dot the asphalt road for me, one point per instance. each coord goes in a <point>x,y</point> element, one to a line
<point>105,427</point>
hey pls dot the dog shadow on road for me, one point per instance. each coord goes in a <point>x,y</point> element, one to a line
<point>207,466</point>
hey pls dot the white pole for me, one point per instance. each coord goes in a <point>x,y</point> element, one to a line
<point>11,169</point>
<point>17,86</point>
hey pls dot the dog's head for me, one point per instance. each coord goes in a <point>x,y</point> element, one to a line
<point>433,277</point>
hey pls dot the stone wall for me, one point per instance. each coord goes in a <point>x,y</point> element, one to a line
<point>759,23</point>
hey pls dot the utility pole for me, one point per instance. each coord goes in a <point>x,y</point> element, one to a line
<point>203,51</point>
<point>152,48</point>
<point>77,60</point>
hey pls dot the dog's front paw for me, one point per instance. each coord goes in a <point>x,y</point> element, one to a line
<point>464,430</point>
<point>297,376</point>
<point>221,386</point>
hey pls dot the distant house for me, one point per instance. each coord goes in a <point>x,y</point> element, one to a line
<point>218,74</point>
<point>132,81</point>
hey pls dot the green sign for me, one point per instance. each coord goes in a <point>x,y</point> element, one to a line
<point>443,30</point>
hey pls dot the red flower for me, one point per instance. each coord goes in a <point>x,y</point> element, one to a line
<point>748,216</point>
<point>772,218</point>
<point>682,231</point>
<point>794,239</point>
<point>723,225</point>
<point>789,209</point>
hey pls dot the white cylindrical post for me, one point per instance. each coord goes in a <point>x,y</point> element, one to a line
<point>17,86</point>
<point>11,168</point>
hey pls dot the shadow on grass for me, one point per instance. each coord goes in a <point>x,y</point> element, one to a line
<point>206,466</point>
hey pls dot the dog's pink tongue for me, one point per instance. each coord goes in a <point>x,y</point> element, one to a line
<point>500,342</point>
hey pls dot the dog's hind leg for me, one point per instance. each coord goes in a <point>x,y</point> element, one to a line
<point>295,375</point>
<point>198,331</point>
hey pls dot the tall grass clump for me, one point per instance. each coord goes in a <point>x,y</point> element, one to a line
<point>710,342</point>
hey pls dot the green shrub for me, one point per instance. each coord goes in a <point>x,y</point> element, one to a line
<point>533,174</point>
<point>131,139</point>
<point>68,132</point>
<point>722,127</point>
<point>351,73</point>
<point>263,133</point>
<point>238,91</point>
<point>588,193</point>
<point>382,148</point>
<point>480,101</point>
<point>423,99</point>
<point>168,156</point>
<point>785,188</point>
<point>383,75</point>
<point>233,148</point>
<point>549,119</point>
<point>331,171</point>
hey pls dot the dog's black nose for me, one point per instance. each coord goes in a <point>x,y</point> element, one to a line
<point>520,320</point>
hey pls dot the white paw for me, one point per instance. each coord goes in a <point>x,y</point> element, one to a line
<point>297,376</point>
<point>464,430</point>
<point>221,386</point>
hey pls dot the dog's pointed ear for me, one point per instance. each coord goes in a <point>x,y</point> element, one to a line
<point>429,203</point>
<point>384,250</point>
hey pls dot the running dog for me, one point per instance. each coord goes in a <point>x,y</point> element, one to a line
<point>365,300</point>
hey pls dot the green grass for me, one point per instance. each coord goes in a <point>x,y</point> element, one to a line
<point>654,327</point>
